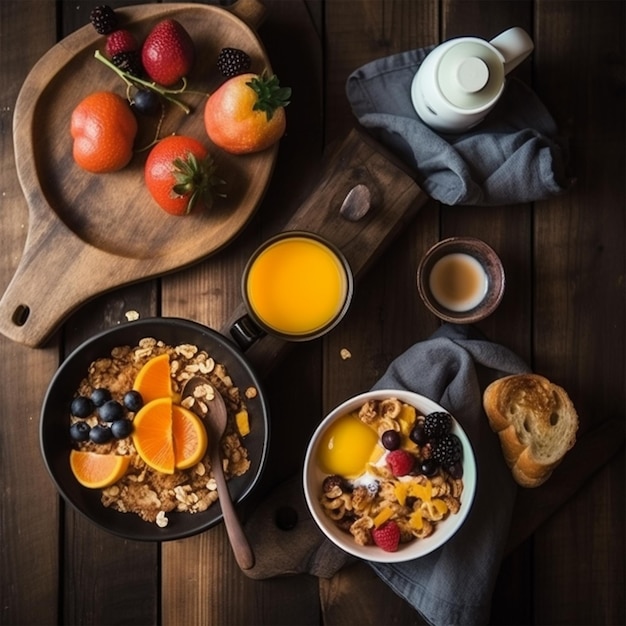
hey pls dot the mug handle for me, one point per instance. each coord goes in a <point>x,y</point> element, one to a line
<point>245,332</point>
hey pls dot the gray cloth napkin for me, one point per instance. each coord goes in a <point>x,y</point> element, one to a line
<point>454,584</point>
<point>512,156</point>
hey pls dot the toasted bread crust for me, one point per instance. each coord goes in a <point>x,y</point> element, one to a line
<point>535,421</point>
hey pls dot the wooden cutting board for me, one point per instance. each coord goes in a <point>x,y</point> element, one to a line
<point>90,233</point>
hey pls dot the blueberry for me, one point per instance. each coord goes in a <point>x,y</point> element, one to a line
<point>429,467</point>
<point>456,470</point>
<point>121,428</point>
<point>418,435</point>
<point>133,401</point>
<point>79,431</point>
<point>81,407</point>
<point>100,434</point>
<point>110,411</point>
<point>146,102</point>
<point>391,439</point>
<point>100,396</point>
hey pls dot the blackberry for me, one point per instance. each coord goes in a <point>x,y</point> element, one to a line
<point>103,19</point>
<point>437,424</point>
<point>129,62</point>
<point>232,62</point>
<point>448,451</point>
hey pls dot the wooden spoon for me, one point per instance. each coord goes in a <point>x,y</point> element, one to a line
<point>216,418</point>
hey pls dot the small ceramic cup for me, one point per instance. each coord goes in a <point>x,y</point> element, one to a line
<point>461,280</point>
<point>296,286</point>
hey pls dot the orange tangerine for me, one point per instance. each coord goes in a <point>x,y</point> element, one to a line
<point>152,435</point>
<point>97,471</point>
<point>154,379</point>
<point>103,128</point>
<point>190,437</point>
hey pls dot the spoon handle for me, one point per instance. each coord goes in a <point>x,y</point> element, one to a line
<point>238,540</point>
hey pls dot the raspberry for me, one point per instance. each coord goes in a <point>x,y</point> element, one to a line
<point>437,424</point>
<point>103,19</point>
<point>400,462</point>
<point>387,536</point>
<point>120,41</point>
<point>232,62</point>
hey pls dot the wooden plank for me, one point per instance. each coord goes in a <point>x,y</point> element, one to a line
<point>28,500</point>
<point>508,230</point>
<point>579,284</point>
<point>386,316</point>
<point>209,293</point>
<point>104,576</point>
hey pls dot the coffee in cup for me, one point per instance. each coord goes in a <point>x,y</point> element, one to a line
<point>461,280</point>
<point>296,286</point>
<point>458,282</point>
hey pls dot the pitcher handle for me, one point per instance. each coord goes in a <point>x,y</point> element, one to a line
<point>514,45</point>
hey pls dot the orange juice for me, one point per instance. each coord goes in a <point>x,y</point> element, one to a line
<point>297,286</point>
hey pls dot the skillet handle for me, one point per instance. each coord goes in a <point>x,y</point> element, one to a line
<point>252,12</point>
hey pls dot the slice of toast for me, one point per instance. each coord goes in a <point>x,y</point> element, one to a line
<point>536,423</point>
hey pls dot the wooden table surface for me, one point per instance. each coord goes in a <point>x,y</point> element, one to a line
<point>563,312</point>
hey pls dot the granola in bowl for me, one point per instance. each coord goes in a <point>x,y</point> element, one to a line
<point>382,489</point>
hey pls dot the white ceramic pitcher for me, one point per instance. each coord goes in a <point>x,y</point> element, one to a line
<point>461,80</point>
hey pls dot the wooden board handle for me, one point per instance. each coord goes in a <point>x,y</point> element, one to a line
<point>360,223</point>
<point>252,12</point>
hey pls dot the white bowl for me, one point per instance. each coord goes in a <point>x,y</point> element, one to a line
<point>313,476</point>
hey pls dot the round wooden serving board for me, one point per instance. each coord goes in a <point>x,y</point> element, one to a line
<point>89,233</point>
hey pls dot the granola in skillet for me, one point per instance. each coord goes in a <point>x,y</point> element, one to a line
<point>143,490</point>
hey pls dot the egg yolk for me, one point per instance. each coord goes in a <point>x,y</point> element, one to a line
<point>346,447</point>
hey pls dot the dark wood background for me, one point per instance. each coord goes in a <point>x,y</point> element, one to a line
<point>563,312</point>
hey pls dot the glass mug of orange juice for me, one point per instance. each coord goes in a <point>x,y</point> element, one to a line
<point>296,286</point>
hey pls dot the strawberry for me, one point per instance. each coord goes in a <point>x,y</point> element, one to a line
<point>400,462</point>
<point>387,536</point>
<point>168,53</point>
<point>118,41</point>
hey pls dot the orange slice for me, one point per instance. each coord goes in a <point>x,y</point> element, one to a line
<point>154,379</point>
<point>152,435</point>
<point>97,471</point>
<point>190,437</point>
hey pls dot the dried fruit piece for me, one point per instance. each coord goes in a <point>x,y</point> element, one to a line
<point>243,423</point>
